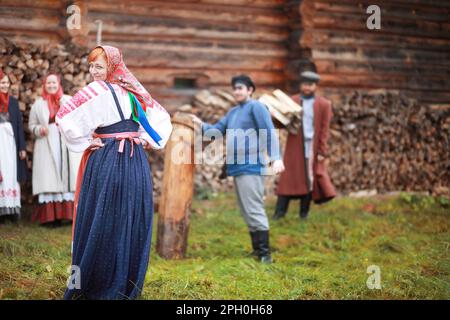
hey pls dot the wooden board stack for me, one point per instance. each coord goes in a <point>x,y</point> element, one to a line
<point>283,109</point>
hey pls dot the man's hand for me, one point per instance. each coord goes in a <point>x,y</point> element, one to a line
<point>320,158</point>
<point>145,144</point>
<point>96,144</point>
<point>196,119</point>
<point>278,166</point>
<point>22,154</point>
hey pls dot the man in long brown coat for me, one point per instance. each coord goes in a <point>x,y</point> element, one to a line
<point>306,175</point>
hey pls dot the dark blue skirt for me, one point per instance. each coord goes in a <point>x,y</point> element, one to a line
<point>113,227</point>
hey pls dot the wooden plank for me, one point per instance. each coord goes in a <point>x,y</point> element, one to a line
<point>172,48</point>
<point>381,81</point>
<point>30,36</point>
<point>391,25</point>
<point>29,4</point>
<point>389,9</point>
<point>216,77</point>
<point>275,49</point>
<point>116,24</point>
<point>385,67</point>
<point>336,37</point>
<point>269,4</point>
<point>272,105</point>
<point>388,54</point>
<point>194,12</point>
<point>287,101</point>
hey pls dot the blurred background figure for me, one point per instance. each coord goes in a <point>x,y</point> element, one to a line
<point>54,166</point>
<point>306,176</point>
<point>12,153</point>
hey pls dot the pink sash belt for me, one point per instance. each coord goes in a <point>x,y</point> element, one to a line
<point>133,137</point>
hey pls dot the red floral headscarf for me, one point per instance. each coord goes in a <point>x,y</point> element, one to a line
<point>4,97</point>
<point>53,100</point>
<point>119,74</point>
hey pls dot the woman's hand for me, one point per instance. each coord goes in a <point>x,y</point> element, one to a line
<point>43,131</point>
<point>96,144</point>
<point>22,154</point>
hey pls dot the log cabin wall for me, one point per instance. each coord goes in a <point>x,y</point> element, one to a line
<point>410,53</point>
<point>177,47</point>
<point>174,47</point>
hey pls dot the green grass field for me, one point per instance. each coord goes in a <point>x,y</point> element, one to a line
<point>325,257</point>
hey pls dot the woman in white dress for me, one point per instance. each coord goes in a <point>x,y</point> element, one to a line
<point>54,166</point>
<point>12,153</point>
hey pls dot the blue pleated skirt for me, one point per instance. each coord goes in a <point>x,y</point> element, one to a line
<point>113,228</point>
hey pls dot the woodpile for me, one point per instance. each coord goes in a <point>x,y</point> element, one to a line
<point>382,140</point>
<point>26,65</point>
<point>283,109</point>
<point>379,140</point>
<point>210,106</point>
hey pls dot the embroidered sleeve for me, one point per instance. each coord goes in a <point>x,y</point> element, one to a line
<point>79,116</point>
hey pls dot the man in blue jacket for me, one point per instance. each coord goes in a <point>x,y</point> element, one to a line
<point>250,135</point>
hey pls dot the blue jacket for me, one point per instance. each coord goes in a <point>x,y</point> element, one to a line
<point>250,135</point>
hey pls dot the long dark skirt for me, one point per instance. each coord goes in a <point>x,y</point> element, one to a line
<point>113,228</point>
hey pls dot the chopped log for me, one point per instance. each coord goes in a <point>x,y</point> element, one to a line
<point>177,191</point>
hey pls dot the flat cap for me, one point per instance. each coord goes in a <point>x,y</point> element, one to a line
<point>310,76</point>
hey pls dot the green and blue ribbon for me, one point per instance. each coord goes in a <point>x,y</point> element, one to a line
<point>140,116</point>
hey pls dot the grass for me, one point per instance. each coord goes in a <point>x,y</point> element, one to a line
<point>325,257</point>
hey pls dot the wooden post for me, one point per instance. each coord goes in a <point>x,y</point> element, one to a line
<point>178,190</point>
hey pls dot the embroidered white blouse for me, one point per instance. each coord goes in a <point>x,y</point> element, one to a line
<point>94,106</point>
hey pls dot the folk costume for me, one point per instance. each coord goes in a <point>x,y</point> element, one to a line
<point>305,177</point>
<point>246,162</point>
<point>55,167</point>
<point>12,169</point>
<point>113,201</point>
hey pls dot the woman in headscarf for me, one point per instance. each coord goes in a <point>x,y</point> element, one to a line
<point>12,153</point>
<point>112,120</point>
<point>54,166</point>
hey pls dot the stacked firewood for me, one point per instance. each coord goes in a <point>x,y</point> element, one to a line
<point>383,141</point>
<point>26,65</point>
<point>379,140</point>
<point>210,175</point>
<point>283,109</point>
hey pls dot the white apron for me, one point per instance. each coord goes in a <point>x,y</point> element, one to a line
<point>9,187</point>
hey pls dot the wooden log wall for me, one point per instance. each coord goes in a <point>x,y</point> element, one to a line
<point>206,42</point>
<point>203,42</point>
<point>410,53</point>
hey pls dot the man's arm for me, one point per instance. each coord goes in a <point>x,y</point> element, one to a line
<point>325,129</point>
<point>264,121</point>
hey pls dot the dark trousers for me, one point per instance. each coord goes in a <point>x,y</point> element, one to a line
<point>283,204</point>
